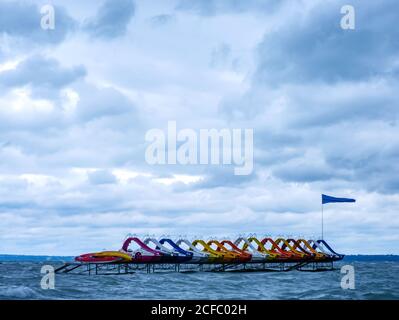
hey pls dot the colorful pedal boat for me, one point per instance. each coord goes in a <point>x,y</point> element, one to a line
<point>274,253</point>
<point>257,256</point>
<point>183,255</point>
<point>305,245</point>
<point>217,256</point>
<point>104,257</point>
<point>228,256</point>
<point>284,255</point>
<point>168,255</point>
<point>319,249</point>
<point>242,256</point>
<point>334,255</point>
<point>142,255</point>
<point>297,252</point>
<point>243,250</point>
<point>198,255</point>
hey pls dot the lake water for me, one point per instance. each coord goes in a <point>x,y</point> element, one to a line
<point>373,280</point>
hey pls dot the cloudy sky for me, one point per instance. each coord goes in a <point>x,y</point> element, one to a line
<point>77,101</point>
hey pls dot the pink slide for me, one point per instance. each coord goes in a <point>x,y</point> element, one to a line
<point>143,254</point>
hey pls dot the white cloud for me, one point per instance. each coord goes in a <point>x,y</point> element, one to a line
<point>9,65</point>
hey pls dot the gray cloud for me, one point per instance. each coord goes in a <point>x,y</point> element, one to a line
<point>112,19</point>
<point>101,177</point>
<point>220,55</point>
<point>304,173</point>
<point>162,19</point>
<point>41,73</point>
<point>21,20</point>
<point>315,48</point>
<point>319,88</point>
<point>104,102</point>
<point>215,7</point>
<point>224,178</point>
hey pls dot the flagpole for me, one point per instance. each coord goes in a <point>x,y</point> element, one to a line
<point>322,221</point>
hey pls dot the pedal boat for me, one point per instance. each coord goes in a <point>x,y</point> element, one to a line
<point>246,246</point>
<point>168,255</point>
<point>184,255</point>
<point>334,256</point>
<point>198,255</point>
<point>243,256</point>
<point>298,252</point>
<point>304,245</point>
<point>273,253</point>
<point>104,257</point>
<point>143,254</point>
<point>282,255</point>
<point>319,249</point>
<point>216,256</point>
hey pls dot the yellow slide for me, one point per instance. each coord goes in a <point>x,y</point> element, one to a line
<point>228,255</point>
<point>261,248</point>
<point>217,256</point>
<point>124,256</point>
<point>291,249</point>
<point>318,255</point>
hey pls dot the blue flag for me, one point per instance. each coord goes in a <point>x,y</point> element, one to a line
<point>327,199</point>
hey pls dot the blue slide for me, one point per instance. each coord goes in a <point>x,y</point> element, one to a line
<point>176,247</point>
<point>340,256</point>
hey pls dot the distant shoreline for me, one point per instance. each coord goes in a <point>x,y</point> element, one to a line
<point>33,258</point>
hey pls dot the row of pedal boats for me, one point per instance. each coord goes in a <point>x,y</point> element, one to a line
<point>242,250</point>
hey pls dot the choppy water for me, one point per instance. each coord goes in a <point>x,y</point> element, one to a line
<point>374,280</point>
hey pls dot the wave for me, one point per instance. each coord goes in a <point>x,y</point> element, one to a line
<point>18,292</point>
